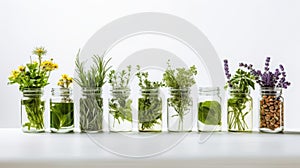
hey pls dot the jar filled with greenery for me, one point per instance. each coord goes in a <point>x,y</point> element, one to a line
<point>271,100</point>
<point>32,78</point>
<point>149,104</point>
<point>180,102</point>
<point>91,101</point>
<point>62,106</point>
<point>120,112</point>
<point>239,102</point>
<point>209,109</point>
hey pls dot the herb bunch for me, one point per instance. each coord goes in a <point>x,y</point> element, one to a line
<point>269,78</point>
<point>95,76</point>
<point>180,80</point>
<point>120,104</point>
<point>150,105</point>
<point>34,74</point>
<point>241,80</point>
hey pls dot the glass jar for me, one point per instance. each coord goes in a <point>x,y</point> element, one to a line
<point>180,114</point>
<point>91,110</point>
<point>61,110</point>
<point>32,110</point>
<point>209,109</point>
<point>150,111</point>
<point>120,112</point>
<point>271,110</point>
<point>239,111</point>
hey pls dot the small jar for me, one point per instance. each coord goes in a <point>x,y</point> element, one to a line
<point>32,110</point>
<point>180,114</point>
<point>61,110</point>
<point>120,112</point>
<point>91,110</point>
<point>239,111</point>
<point>150,111</point>
<point>271,110</point>
<point>209,109</point>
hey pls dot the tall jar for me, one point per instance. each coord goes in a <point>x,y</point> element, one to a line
<point>61,110</point>
<point>180,114</point>
<point>150,111</point>
<point>120,112</point>
<point>271,110</point>
<point>32,110</point>
<point>239,111</point>
<point>209,109</point>
<point>91,110</point>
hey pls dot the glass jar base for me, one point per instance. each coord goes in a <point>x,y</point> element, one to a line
<point>91,132</point>
<point>115,130</point>
<point>180,130</point>
<point>267,130</point>
<point>247,131</point>
<point>62,130</point>
<point>208,128</point>
<point>150,130</point>
<point>32,130</point>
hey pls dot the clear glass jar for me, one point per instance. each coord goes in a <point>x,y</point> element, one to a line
<point>209,109</point>
<point>180,114</point>
<point>61,110</point>
<point>91,110</point>
<point>271,110</point>
<point>120,112</point>
<point>150,111</point>
<point>32,110</point>
<point>239,111</point>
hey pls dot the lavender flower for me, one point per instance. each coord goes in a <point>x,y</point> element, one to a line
<point>268,78</point>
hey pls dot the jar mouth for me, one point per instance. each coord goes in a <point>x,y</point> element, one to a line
<point>180,90</point>
<point>238,91</point>
<point>270,90</point>
<point>206,90</point>
<point>61,91</point>
<point>33,91</point>
<point>150,91</point>
<point>120,90</point>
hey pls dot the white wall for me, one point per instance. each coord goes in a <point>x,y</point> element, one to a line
<point>240,30</point>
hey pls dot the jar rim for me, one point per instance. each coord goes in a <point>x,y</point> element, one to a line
<point>239,91</point>
<point>209,89</point>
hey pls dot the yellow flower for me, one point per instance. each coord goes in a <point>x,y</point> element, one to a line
<point>64,76</point>
<point>14,74</point>
<point>49,65</point>
<point>70,79</point>
<point>55,66</point>
<point>39,51</point>
<point>60,83</point>
<point>21,68</point>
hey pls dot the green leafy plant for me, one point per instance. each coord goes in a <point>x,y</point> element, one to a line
<point>91,82</point>
<point>62,111</point>
<point>120,104</point>
<point>240,104</point>
<point>180,80</point>
<point>150,104</point>
<point>30,78</point>
<point>209,112</point>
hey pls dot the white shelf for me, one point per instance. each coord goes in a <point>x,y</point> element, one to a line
<point>221,149</point>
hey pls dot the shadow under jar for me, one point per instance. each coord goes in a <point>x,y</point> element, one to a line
<point>271,110</point>
<point>150,111</point>
<point>32,110</point>
<point>209,109</point>
<point>239,111</point>
<point>120,112</point>
<point>91,110</point>
<point>180,114</point>
<point>61,110</point>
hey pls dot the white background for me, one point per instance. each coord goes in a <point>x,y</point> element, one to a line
<point>240,30</point>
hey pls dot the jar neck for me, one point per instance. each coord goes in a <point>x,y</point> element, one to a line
<point>150,92</point>
<point>120,91</point>
<point>238,92</point>
<point>209,90</point>
<point>64,92</point>
<point>91,91</point>
<point>270,91</point>
<point>33,92</point>
<point>181,91</point>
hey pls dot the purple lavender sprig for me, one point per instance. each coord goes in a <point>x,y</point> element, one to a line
<point>268,78</point>
<point>227,73</point>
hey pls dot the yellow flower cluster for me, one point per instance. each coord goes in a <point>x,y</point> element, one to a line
<point>39,51</point>
<point>65,81</point>
<point>49,65</point>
